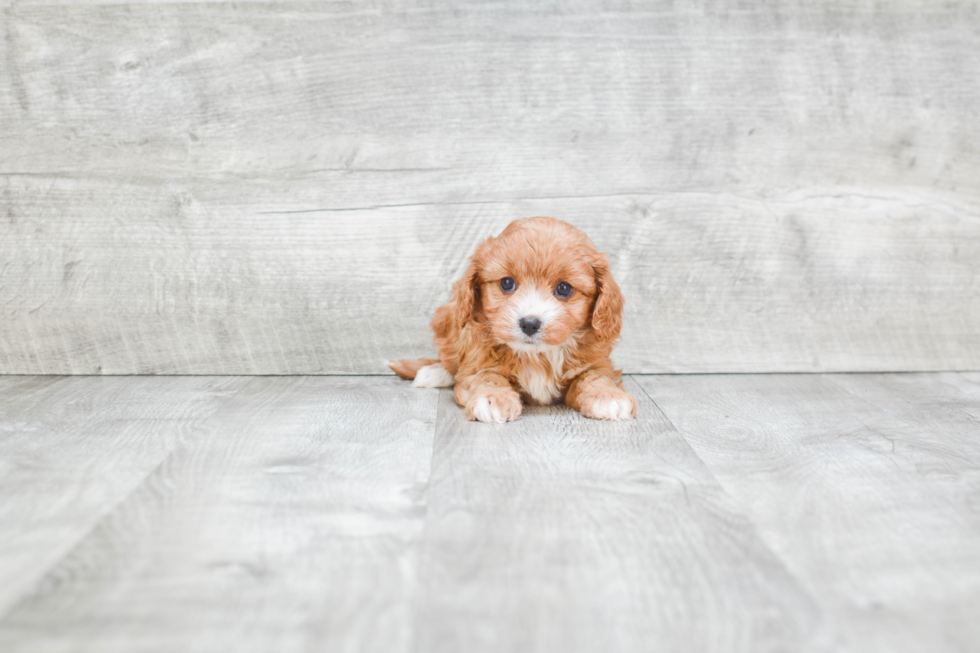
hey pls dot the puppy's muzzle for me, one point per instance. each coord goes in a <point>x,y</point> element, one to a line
<point>529,325</point>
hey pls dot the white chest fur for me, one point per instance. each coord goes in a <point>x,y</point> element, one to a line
<point>540,383</point>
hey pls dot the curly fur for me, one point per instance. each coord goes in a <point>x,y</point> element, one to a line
<point>494,364</point>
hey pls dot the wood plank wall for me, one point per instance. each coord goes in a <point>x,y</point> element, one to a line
<point>276,188</point>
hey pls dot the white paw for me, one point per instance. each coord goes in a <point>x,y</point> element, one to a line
<point>616,409</point>
<point>433,376</point>
<point>484,411</point>
<point>487,410</point>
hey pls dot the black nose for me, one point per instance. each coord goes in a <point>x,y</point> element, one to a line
<point>530,325</point>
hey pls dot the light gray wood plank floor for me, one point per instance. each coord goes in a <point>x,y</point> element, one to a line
<point>737,513</point>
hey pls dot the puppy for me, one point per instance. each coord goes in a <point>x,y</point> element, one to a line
<point>534,318</point>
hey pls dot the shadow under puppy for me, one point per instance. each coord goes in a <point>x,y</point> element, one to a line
<point>534,317</point>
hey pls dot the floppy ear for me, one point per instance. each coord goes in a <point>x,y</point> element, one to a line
<point>607,314</point>
<point>466,296</point>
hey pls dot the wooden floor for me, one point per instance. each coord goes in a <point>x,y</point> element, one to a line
<point>737,513</point>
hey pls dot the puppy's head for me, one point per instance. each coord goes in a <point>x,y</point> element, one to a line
<point>538,283</point>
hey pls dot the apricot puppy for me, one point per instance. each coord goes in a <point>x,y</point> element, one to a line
<point>533,319</point>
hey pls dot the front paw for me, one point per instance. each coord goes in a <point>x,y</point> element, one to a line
<point>495,407</point>
<point>612,404</point>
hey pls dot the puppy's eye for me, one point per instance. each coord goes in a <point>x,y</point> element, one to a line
<point>563,289</point>
<point>507,284</point>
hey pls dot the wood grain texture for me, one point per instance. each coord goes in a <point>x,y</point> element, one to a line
<point>289,188</point>
<point>290,522</point>
<point>71,450</point>
<point>559,533</point>
<point>712,282</point>
<point>874,511</point>
<point>783,513</point>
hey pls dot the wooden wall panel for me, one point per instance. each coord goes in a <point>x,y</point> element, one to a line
<point>289,188</point>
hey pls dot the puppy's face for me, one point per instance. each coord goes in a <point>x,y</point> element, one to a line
<point>533,305</point>
<point>540,282</point>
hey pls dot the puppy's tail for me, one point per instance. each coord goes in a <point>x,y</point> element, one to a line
<point>426,372</point>
<point>408,369</point>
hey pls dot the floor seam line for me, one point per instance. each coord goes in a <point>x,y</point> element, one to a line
<point>736,507</point>
<point>894,416</point>
<point>423,536</point>
<point>64,555</point>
